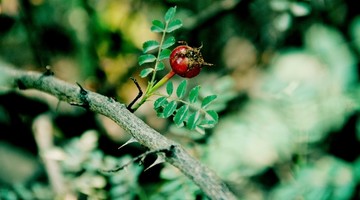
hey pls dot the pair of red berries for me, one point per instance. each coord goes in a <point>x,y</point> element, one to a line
<point>187,61</point>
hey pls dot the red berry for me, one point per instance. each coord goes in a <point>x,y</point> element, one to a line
<point>186,61</point>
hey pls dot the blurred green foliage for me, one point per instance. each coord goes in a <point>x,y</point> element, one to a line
<point>285,75</point>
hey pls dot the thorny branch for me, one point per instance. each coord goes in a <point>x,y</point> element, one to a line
<point>201,175</point>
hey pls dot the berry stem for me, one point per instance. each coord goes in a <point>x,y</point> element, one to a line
<point>162,81</point>
<point>152,89</point>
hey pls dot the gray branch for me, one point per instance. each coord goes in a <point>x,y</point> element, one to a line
<point>201,175</point>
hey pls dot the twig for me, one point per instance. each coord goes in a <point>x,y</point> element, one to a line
<point>141,158</point>
<point>201,175</point>
<point>140,93</point>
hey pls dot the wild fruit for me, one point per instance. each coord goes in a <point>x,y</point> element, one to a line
<point>187,61</point>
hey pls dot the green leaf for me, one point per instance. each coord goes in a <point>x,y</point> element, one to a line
<point>159,114</point>
<point>207,100</point>
<point>180,91</point>
<point>176,24</point>
<point>160,66</point>
<point>208,123</point>
<point>170,14</point>
<point>169,88</point>
<point>165,53</point>
<point>168,42</point>
<point>147,58</point>
<point>157,26</point>
<point>145,72</point>
<point>194,93</point>
<point>193,120</point>
<point>169,109</point>
<point>181,114</point>
<point>200,130</point>
<point>160,102</point>
<point>150,45</point>
<point>212,115</point>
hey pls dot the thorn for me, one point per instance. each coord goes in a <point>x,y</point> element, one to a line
<point>83,97</point>
<point>160,159</point>
<point>82,90</point>
<point>142,159</point>
<point>48,71</point>
<point>111,99</point>
<point>131,140</point>
<point>161,155</point>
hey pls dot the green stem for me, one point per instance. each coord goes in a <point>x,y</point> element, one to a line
<point>152,89</point>
<point>162,81</point>
<point>158,54</point>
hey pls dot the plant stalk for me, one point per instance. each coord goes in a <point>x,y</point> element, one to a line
<point>152,89</point>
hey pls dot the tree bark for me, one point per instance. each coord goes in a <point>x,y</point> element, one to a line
<point>200,174</point>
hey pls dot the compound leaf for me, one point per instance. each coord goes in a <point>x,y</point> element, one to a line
<point>180,91</point>
<point>193,120</point>
<point>159,114</point>
<point>150,45</point>
<point>169,88</point>
<point>168,42</point>
<point>181,114</point>
<point>176,24</point>
<point>145,72</point>
<point>212,115</point>
<point>169,109</point>
<point>207,100</point>
<point>170,14</point>
<point>200,130</point>
<point>147,58</point>
<point>194,93</point>
<point>160,102</point>
<point>160,66</point>
<point>207,123</point>
<point>157,26</point>
<point>165,53</point>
